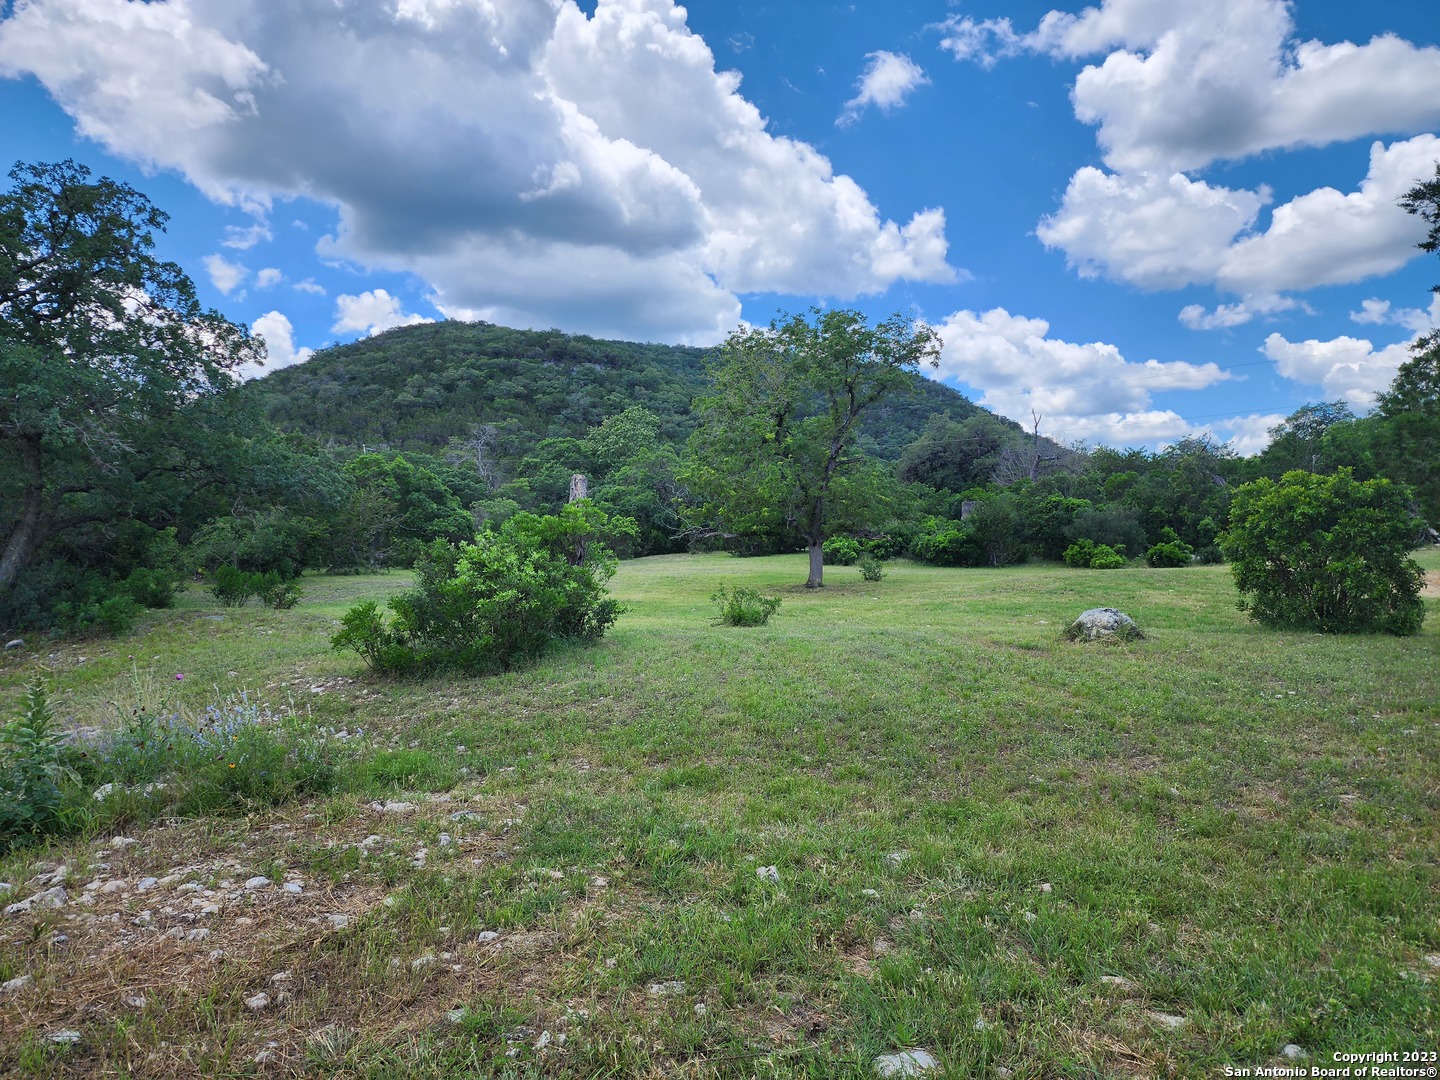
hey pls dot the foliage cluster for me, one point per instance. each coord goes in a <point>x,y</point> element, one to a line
<point>234,587</point>
<point>497,603</point>
<point>237,755</point>
<point>1327,553</point>
<point>741,605</point>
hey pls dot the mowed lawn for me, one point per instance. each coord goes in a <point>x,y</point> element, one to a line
<point>1010,851</point>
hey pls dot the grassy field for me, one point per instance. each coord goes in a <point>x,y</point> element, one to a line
<point>1027,857</point>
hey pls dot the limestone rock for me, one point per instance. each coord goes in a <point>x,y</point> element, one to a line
<point>1104,624</point>
<point>905,1063</point>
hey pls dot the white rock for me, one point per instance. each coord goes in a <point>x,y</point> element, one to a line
<point>768,873</point>
<point>136,1001</point>
<point>45,900</point>
<point>544,1040</point>
<point>1119,982</point>
<point>1045,887</point>
<point>455,1015</point>
<point>281,977</point>
<point>700,1009</point>
<point>209,909</point>
<point>422,962</point>
<point>393,807</point>
<point>338,922</point>
<point>1031,917</point>
<point>119,843</point>
<point>115,885</point>
<point>981,1024</point>
<point>1293,1052</point>
<point>905,1063</point>
<point>487,936</point>
<point>64,1037</point>
<point>258,882</point>
<point>16,984</point>
<point>1167,1020</point>
<point>6,887</point>
<point>445,840</point>
<point>103,792</point>
<point>667,989</point>
<point>258,1002</point>
<point>1433,959</point>
<point>895,858</point>
<point>146,884</point>
<point>216,954</point>
<point>292,887</point>
<point>1104,624</point>
<point>200,933</point>
<point>870,893</point>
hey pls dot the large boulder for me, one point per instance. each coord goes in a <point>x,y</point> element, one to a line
<point>1104,624</point>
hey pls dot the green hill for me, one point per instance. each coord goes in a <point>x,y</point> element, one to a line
<point>430,386</point>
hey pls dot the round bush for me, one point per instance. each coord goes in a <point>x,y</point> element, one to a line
<point>1326,553</point>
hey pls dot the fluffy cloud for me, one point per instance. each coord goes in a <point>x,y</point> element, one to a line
<point>575,141</point>
<point>225,275</point>
<point>1417,320</point>
<point>1162,232</point>
<point>1345,367</point>
<point>1226,316</point>
<point>888,80</point>
<point>1082,391</point>
<point>1248,434</point>
<point>268,277</point>
<point>279,337</point>
<point>372,313</point>
<point>1183,85</point>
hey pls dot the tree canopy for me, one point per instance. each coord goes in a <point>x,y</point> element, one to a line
<point>776,447</point>
<point>103,348</point>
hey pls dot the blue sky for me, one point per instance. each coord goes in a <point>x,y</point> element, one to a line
<point>1138,220</point>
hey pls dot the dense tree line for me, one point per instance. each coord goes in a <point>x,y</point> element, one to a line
<point>130,458</point>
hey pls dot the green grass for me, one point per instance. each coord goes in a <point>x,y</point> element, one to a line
<point>1238,821</point>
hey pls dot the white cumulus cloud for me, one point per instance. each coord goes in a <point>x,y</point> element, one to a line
<point>889,78</point>
<point>225,275</point>
<point>1345,367</point>
<point>371,313</point>
<point>268,277</point>
<point>574,142</point>
<point>279,337</point>
<point>1226,316</point>
<point>1378,312</point>
<point>1082,390</point>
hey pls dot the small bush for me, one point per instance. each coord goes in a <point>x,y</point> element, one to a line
<point>275,592</point>
<point>1171,551</point>
<point>871,568</point>
<point>152,588</point>
<point>741,605</point>
<point>1106,558</point>
<point>1326,553</point>
<point>32,770</point>
<point>234,587</point>
<point>1079,554</point>
<point>840,551</point>
<point>497,603</point>
<point>946,542</point>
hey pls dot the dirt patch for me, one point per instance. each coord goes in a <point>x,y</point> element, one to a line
<point>1432,584</point>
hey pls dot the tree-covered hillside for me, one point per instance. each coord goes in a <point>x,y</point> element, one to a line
<point>437,385</point>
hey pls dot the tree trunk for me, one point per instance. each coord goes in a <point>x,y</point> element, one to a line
<point>25,537</point>
<point>817,566</point>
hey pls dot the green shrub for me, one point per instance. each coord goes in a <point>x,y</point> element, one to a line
<point>840,551</point>
<point>1079,554</point>
<point>946,542</point>
<point>871,568</point>
<point>741,605</point>
<point>1326,553</point>
<point>1170,551</point>
<point>275,592</point>
<point>152,588</point>
<point>32,770</point>
<point>1106,558</point>
<point>497,603</point>
<point>234,587</point>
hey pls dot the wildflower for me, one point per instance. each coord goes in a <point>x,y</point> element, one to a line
<point>179,677</point>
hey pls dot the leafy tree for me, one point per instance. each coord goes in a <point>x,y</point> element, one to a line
<point>775,451</point>
<point>105,353</point>
<point>954,456</point>
<point>1299,441</point>
<point>1326,553</point>
<point>1408,435</point>
<point>1423,200</point>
